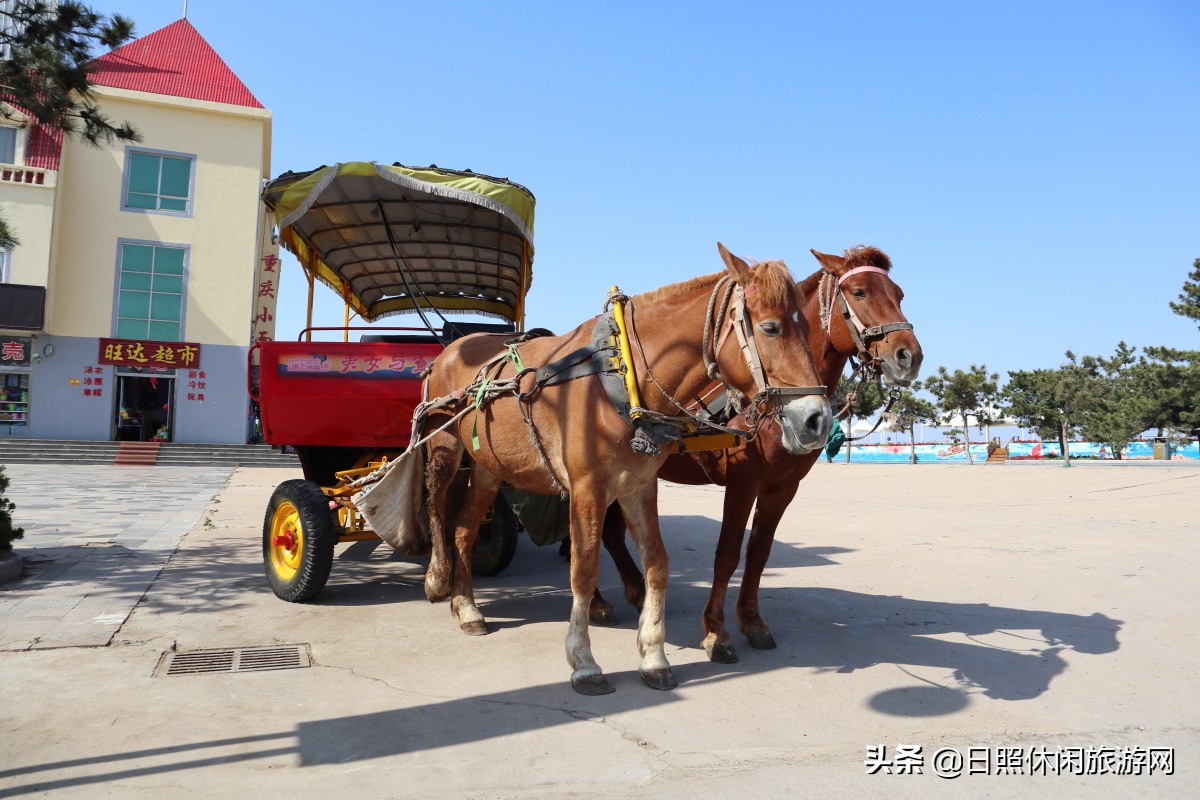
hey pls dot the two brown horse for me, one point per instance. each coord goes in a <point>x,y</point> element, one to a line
<point>853,309</point>
<point>569,437</point>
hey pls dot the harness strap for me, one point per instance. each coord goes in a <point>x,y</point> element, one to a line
<point>587,360</point>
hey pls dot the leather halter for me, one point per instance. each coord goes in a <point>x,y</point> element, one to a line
<point>862,337</point>
<point>861,334</point>
<point>739,323</point>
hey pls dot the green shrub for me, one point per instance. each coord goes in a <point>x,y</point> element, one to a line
<point>8,533</point>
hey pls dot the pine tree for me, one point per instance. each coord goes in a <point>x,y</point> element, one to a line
<point>1189,299</point>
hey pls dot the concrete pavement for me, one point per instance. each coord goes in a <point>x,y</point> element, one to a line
<point>1018,615</point>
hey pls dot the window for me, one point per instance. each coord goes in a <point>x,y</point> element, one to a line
<point>3,266</point>
<point>150,293</point>
<point>8,145</point>
<point>158,182</point>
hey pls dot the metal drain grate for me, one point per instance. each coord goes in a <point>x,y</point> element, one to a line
<point>236,659</point>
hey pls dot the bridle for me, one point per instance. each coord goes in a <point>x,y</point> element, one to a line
<point>768,396</point>
<point>829,291</point>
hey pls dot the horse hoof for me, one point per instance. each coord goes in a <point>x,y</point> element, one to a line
<point>722,654</point>
<point>476,628</point>
<point>661,679</point>
<point>592,685</point>
<point>605,617</point>
<point>436,596</point>
<point>762,640</point>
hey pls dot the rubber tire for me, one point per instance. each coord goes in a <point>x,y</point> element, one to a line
<point>318,529</point>
<point>496,542</point>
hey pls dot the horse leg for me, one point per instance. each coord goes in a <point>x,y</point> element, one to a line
<point>614,543</point>
<point>602,612</point>
<point>481,493</point>
<point>445,454</point>
<point>586,675</point>
<point>771,505</point>
<point>641,510</point>
<point>717,641</point>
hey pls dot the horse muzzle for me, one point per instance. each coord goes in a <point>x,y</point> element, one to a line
<point>805,423</point>
<point>901,366</point>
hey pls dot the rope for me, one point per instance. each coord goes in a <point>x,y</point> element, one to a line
<point>709,338</point>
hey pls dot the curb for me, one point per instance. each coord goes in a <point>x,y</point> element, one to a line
<point>10,567</point>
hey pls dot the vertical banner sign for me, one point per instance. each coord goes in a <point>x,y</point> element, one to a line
<point>266,284</point>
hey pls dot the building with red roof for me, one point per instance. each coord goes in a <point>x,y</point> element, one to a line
<point>153,262</point>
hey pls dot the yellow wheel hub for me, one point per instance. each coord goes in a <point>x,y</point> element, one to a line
<point>287,541</point>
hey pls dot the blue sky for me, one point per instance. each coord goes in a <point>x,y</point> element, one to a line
<point>1030,167</point>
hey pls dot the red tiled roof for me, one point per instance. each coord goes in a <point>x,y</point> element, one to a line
<point>174,61</point>
<point>43,144</point>
<point>43,147</point>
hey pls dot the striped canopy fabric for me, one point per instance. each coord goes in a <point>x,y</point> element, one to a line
<point>390,239</point>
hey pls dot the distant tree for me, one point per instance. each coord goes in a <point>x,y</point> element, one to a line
<point>1048,400</point>
<point>863,399</point>
<point>47,49</point>
<point>1116,411</point>
<point>965,394</point>
<point>910,411</point>
<point>1169,381</point>
<point>1189,299</point>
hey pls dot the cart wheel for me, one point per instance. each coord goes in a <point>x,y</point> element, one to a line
<point>496,543</point>
<point>298,539</point>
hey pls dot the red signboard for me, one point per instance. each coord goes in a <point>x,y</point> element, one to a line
<point>147,353</point>
<point>14,350</point>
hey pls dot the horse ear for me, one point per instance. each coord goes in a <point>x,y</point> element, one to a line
<point>831,264</point>
<point>738,269</point>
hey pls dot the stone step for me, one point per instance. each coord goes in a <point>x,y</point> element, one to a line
<point>16,450</point>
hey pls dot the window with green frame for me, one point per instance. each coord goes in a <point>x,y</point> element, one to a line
<point>150,295</point>
<point>158,182</point>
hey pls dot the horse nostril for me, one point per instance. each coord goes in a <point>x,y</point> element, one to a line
<point>903,357</point>
<point>815,422</point>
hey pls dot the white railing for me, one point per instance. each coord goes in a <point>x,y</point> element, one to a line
<point>30,176</point>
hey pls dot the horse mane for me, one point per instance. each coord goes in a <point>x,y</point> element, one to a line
<point>773,279</point>
<point>858,256</point>
<point>862,255</point>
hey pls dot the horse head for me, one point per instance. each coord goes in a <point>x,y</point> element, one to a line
<point>857,286</point>
<point>774,365</point>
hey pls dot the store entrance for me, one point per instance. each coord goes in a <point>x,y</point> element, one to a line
<point>145,408</point>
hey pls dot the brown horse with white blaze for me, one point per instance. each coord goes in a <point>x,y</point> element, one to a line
<point>852,307</point>
<point>568,437</point>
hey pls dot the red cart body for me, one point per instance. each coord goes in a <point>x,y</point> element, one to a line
<point>342,394</point>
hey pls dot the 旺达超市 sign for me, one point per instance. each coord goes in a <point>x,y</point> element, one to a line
<point>146,353</point>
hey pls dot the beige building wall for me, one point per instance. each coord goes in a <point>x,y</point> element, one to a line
<point>224,233</point>
<point>29,212</point>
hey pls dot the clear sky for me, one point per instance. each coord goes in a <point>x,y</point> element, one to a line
<point>1031,167</point>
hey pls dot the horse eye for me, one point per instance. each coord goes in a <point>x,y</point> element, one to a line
<point>770,328</point>
<point>858,294</point>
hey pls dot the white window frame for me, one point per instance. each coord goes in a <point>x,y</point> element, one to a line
<point>191,198</point>
<point>183,300</point>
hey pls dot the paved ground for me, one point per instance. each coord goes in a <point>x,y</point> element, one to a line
<point>95,539</point>
<point>996,612</point>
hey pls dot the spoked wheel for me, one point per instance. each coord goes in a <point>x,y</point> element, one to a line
<point>496,543</point>
<point>299,534</point>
